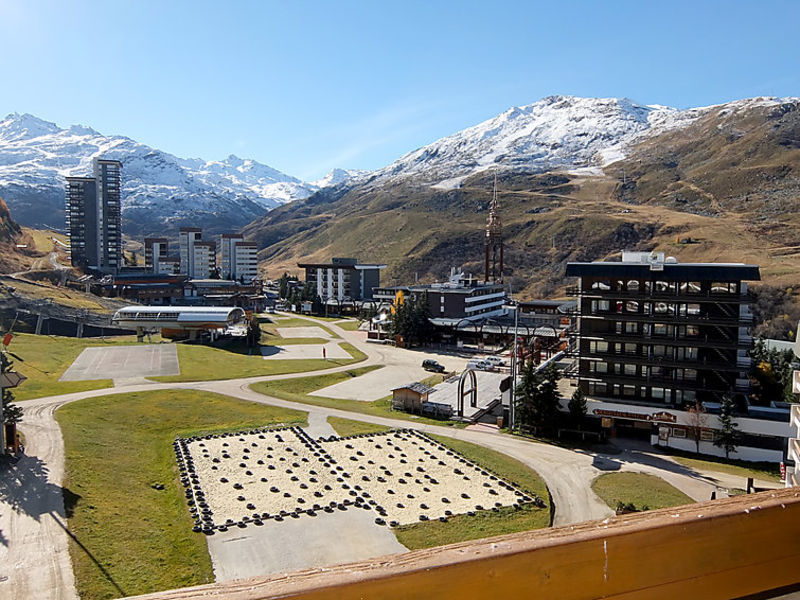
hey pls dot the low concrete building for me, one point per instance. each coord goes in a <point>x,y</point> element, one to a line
<point>178,321</point>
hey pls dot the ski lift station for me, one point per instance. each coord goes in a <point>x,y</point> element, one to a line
<point>179,321</point>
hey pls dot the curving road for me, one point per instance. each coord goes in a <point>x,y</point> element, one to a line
<point>34,557</point>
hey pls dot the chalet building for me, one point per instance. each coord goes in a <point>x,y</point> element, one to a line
<point>655,337</point>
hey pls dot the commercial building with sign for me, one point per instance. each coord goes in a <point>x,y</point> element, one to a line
<point>655,337</point>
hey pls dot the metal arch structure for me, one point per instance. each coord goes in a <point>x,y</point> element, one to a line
<point>473,391</point>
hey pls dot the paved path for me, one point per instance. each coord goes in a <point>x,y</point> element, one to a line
<point>295,544</point>
<point>33,545</point>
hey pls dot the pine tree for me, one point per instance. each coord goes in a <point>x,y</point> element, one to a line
<point>577,406</point>
<point>728,435</point>
<point>548,398</point>
<point>11,412</point>
<point>526,396</point>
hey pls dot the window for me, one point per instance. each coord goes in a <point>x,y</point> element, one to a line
<point>604,285</point>
<point>632,306</point>
<point>599,367</point>
<point>723,287</point>
<point>599,306</point>
<point>691,287</point>
<point>633,285</point>
<point>657,393</point>
<point>688,331</point>
<point>665,287</point>
<point>706,435</point>
<point>660,329</point>
<point>598,347</point>
<point>687,353</point>
<point>631,370</point>
<point>597,387</point>
<point>656,371</point>
<point>631,349</point>
<point>629,390</point>
<point>690,374</point>
<point>630,327</point>
<point>678,432</point>
<point>659,350</point>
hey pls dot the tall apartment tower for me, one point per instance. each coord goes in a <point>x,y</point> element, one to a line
<point>188,237</point>
<point>238,260</point>
<point>94,217</point>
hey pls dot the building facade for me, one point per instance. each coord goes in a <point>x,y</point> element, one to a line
<point>343,279</point>
<point>93,210</point>
<point>157,259</point>
<point>663,333</point>
<point>188,237</point>
<point>238,259</point>
<point>461,297</point>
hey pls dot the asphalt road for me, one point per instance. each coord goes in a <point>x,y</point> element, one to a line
<point>34,561</point>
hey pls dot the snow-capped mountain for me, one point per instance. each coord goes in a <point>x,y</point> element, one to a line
<point>160,191</point>
<point>557,132</point>
<point>340,176</point>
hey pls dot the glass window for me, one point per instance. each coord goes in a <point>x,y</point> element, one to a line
<point>601,285</point>
<point>633,285</point>
<point>597,387</point>
<point>630,349</point>
<point>600,346</point>
<point>601,367</point>
<point>723,287</point>
<point>690,374</point>
<point>691,287</point>
<point>659,329</point>
<point>632,306</point>
<point>628,390</point>
<point>656,371</point>
<point>659,350</point>
<point>630,327</point>
<point>631,370</point>
<point>657,393</point>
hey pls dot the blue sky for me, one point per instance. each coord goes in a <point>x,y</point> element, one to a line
<point>307,86</point>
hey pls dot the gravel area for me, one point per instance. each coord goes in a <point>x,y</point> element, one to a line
<point>402,475</point>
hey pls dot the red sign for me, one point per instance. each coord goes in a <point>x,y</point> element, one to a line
<point>783,471</point>
<point>7,339</point>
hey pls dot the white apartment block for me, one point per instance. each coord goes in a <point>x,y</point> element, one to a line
<point>238,260</point>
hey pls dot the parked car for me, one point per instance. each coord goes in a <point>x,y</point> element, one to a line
<point>480,365</point>
<point>497,361</point>
<point>431,365</point>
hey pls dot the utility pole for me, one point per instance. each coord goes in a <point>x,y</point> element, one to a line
<point>511,411</point>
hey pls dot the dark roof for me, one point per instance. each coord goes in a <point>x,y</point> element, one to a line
<point>672,271</point>
<point>442,288</point>
<point>553,303</point>
<point>418,387</point>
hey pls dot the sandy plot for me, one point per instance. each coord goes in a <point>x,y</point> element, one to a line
<point>261,475</point>
<point>374,385</point>
<point>123,361</point>
<point>404,476</point>
<point>415,478</point>
<point>303,332</point>
<point>303,351</point>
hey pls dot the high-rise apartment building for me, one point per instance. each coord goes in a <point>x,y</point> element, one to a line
<point>238,260</point>
<point>343,279</point>
<point>93,214</point>
<point>188,237</point>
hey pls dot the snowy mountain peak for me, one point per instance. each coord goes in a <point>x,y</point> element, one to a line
<point>16,126</point>
<point>556,132</point>
<point>339,176</point>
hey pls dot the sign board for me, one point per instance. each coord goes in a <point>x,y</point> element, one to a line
<point>12,379</point>
<point>605,422</point>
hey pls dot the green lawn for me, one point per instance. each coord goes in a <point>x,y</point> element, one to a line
<point>131,538</point>
<point>639,489</point>
<point>739,468</point>
<point>297,390</point>
<point>349,325</point>
<point>44,359</point>
<point>270,327</point>
<point>347,427</point>
<point>204,363</point>
<point>485,523</point>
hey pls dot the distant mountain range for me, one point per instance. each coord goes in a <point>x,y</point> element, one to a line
<point>160,191</point>
<point>579,179</point>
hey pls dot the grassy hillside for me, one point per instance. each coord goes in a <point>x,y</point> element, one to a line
<point>727,185</point>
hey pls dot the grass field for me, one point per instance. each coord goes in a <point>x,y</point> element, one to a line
<point>117,447</point>
<point>45,358</point>
<point>203,363</point>
<point>485,523</point>
<point>297,390</point>
<point>347,427</point>
<point>638,489</point>
<point>740,468</point>
<point>349,325</point>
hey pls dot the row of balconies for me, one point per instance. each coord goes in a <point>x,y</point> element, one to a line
<point>707,296</point>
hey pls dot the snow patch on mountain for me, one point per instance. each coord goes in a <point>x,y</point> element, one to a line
<point>558,132</point>
<point>340,176</point>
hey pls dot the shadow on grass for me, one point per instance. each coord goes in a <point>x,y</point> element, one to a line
<point>24,487</point>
